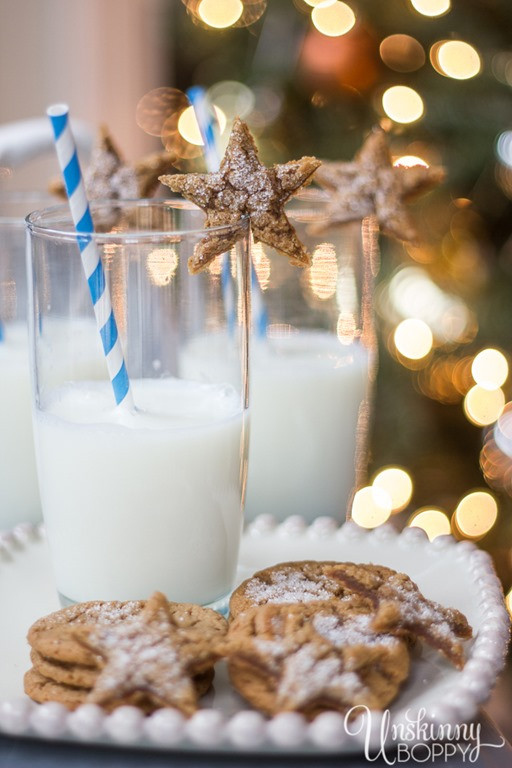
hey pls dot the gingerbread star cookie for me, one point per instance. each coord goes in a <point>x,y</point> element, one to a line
<point>243,186</point>
<point>402,609</point>
<point>372,185</point>
<point>148,654</point>
<point>108,177</point>
<point>313,658</point>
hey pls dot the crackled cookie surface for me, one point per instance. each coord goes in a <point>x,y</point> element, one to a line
<point>371,185</point>
<point>312,658</point>
<point>401,608</point>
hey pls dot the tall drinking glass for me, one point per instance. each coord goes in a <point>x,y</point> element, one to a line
<point>150,498</point>
<point>313,364</point>
<point>19,494</point>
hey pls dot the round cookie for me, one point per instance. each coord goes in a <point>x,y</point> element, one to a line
<point>313,658</point>
<point>292,582</point>
<point>67,673</point>
<point>41,689</point>
<point>51,635</point>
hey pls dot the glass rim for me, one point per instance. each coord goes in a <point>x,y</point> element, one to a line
<point>35,227</point>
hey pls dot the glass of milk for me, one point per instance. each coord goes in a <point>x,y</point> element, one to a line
<point>19,493</point>
<point>313,363</point>
<point>151,498</point>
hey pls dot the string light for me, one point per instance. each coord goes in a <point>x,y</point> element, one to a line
<point>413,338</point>
<point>476,514</point>
<point>435,522</point>
<point>402,104</point>
<point>188,126</point>
<point>455,59</point>
<point>490,369</point>
<point>220,14</point>
<point>333,18</point>
<point>431,7</point>
<point>397,483</point>
<point>371,507</point>
<point>483,406</point>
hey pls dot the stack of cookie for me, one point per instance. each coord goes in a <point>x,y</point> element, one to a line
<point>306,637</point>
<point>149,654</point>
<point>315,636</point>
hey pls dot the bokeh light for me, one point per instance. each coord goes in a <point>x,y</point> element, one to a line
<point>323,273</point>
<point>431,7</point>
<point>220,13</point>
<point>234,99</point>
<point>483,406</point>
<point>333,18</point>
<point>409,161</point>
<point>508,601</point>
<point>371,507</point>
<point>402,53</point>
<point>161,265</point>
<point>435,522</point>
<point>413,338</point>
<point>157,106</point>
<point>504,148</point>
<point>402,104</point>
<point>476,514</point>
<point>397,483</point>
<point>188,126</point>
<point>490,368</point>
<point>455,59</point>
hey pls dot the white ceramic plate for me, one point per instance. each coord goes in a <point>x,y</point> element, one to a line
<point>455,574</point>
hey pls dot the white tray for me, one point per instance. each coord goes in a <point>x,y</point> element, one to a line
<point>455,574</point>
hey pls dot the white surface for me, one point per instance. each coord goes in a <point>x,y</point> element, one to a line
<point>128,496</point>
<point>456,574</point>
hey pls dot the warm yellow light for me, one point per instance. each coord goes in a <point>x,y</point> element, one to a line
<point>220,13</point>
<point>402,104</point>
<point>161,264</point>
<point>433,521</point>
<point>508,601</point>
<point>409,161</point>
<point>323,274</point>
<point>431,7</point>
<point>476,514</point>
<point>371,507</point>
<point>261,264</point>
<point>397,483</point>
<point>483,406</point>
<point>490,369</point>
<point>314,3</point>
<point>188,126</point>
<point>333,18</point>
<point>413,338</point>
<point>456,59</point>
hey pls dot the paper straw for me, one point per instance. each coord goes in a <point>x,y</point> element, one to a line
<point>91,261</point>
<point>209,129</point>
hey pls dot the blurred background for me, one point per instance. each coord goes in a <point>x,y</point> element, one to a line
<point>313,78</point>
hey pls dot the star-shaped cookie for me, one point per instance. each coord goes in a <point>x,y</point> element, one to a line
<point>372,185</point>
<point>108,177</point>
<point>151,658</point>
<point>243,186</point>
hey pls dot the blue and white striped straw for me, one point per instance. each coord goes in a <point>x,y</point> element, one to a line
<point>91,261</point>
<point>209,129</point>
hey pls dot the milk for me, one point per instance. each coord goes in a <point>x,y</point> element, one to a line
<point>147,501</point>
<point>19,493</point>
<point>306,391</point>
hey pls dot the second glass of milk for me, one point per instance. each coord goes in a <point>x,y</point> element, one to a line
<point>313,363</point>
<point>147,499</point>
